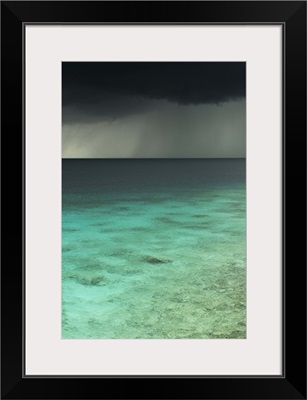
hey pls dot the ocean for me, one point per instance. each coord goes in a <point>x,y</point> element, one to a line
<point>153,248</point>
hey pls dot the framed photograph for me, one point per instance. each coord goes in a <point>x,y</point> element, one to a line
<point>155,167</point>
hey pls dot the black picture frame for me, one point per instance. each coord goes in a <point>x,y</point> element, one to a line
<point>292,16</point>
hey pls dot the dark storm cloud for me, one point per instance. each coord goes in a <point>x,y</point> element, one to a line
<point>173,131</point>
<point>109,90</point>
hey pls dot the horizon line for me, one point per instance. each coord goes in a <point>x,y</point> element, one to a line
<point>153,158</point>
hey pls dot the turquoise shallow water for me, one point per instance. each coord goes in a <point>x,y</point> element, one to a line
<point>153,249</point>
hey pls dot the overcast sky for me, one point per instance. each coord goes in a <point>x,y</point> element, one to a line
<point>153,109</point>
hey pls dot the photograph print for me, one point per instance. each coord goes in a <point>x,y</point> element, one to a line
<point>153,200</point>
